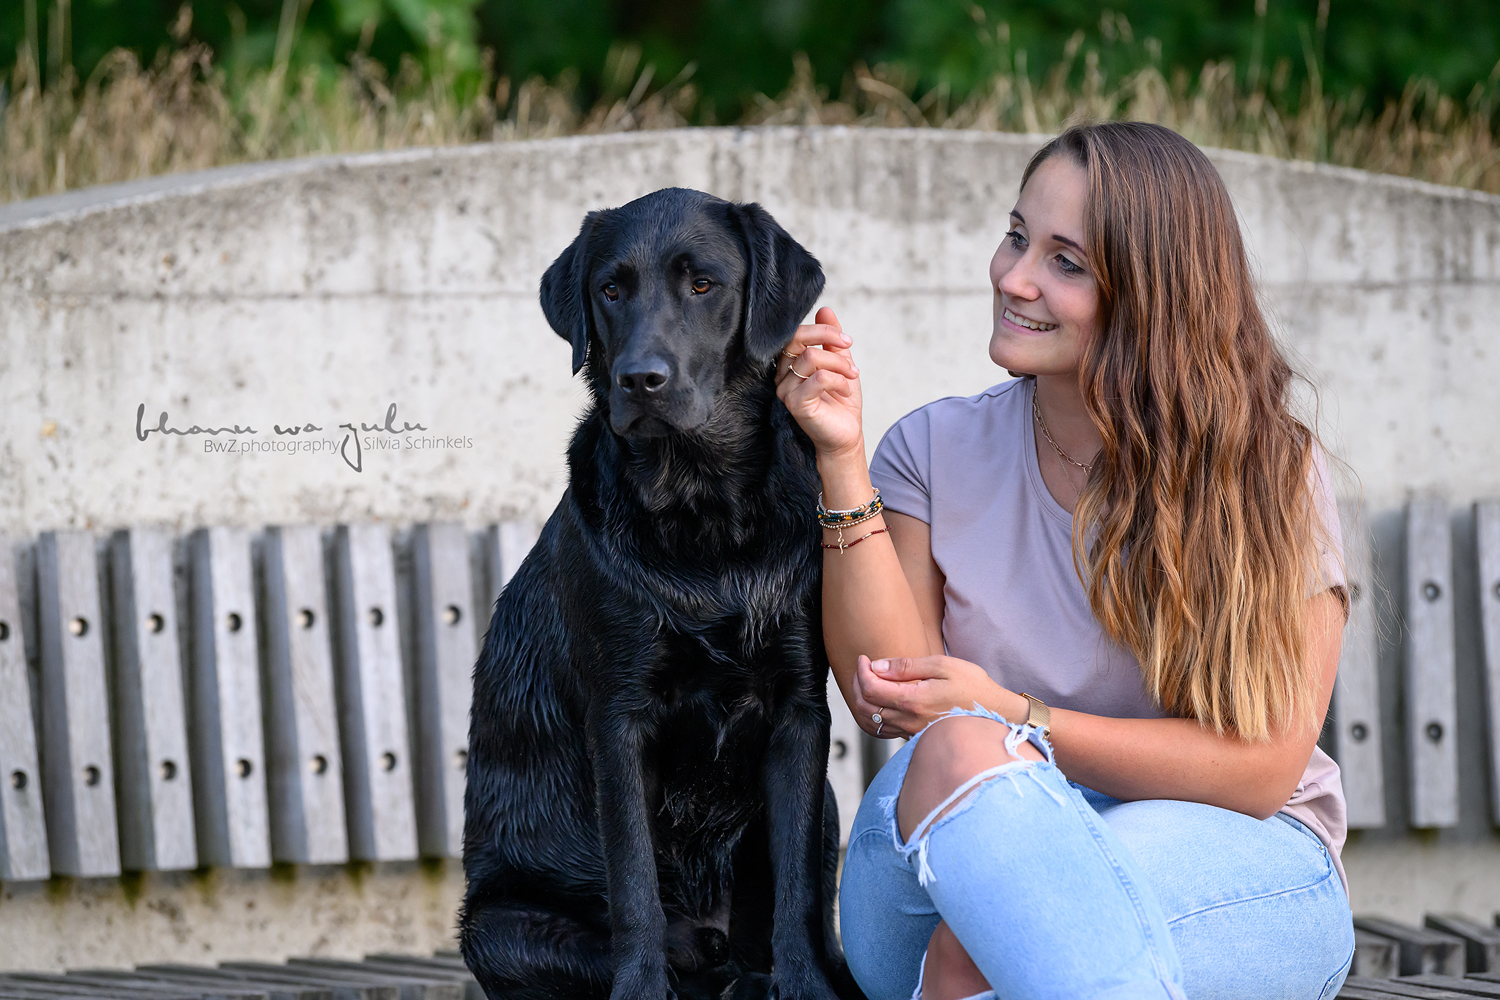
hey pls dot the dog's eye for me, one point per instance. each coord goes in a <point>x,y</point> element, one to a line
<point>611,291</point>
<point>701,285</point>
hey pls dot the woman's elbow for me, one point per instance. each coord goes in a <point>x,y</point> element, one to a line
<point>1264,798</point>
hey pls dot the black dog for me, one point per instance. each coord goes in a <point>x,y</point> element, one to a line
<point>647,809</point>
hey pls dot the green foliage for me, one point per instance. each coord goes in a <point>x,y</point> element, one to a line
<point>740,48</point>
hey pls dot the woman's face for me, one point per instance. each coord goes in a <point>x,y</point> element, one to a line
<point>1046,301</point>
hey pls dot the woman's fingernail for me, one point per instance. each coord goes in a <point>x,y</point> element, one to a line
<point>880,666</point>
<point>845,338</point>
<point>854,369</point>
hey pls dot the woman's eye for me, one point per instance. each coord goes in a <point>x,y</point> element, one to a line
<point>611,291</point>
<point>1068,266</point>
<point>700,286</point>
<point>1017,241</point>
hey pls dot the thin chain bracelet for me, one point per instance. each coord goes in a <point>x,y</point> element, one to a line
<point>842,546</point>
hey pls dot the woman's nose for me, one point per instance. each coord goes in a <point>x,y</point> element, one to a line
<point>1017,281</point>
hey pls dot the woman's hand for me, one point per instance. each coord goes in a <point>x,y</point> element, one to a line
<point>910,692</point>
<point>818,381</point>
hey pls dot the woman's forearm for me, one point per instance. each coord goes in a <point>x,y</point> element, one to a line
<point>868,606</point>
<point>1180,759</point>
<point>1132,759</point>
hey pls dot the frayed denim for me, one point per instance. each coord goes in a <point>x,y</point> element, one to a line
<point>1058,891</point>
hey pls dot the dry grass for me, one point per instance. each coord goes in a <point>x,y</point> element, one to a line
<point>182,113</point>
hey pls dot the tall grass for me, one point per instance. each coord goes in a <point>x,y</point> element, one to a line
<point>183,112</point>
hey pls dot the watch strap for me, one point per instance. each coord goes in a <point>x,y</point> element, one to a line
<point>1040,716</point>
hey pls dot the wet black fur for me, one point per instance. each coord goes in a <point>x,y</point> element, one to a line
<point>647,810</point>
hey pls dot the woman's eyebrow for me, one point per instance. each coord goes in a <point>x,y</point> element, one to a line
<point>1061,239</point>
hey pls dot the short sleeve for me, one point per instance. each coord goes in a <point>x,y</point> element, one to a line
<point>902,465</point>
<point>1330,539</point>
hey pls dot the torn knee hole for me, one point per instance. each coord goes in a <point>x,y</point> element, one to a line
<point>963,795</point>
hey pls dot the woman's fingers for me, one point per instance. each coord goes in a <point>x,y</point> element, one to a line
<point>826,336</point>
<point>894,720</point>
<point>814,360</point>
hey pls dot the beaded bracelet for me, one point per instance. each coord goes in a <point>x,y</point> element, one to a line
<point>839,518</point>
<point>841,546</point>
<point>861,519</point>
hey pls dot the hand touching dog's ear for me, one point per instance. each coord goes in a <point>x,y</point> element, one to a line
<point>782,283</point>
<point>565,300</point>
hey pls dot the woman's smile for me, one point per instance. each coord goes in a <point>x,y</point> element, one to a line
<point>1020,322</point>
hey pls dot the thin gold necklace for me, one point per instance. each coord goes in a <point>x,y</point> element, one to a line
<point>1087,469</point>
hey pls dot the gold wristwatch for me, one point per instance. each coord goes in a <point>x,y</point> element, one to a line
<point>1040,715</point>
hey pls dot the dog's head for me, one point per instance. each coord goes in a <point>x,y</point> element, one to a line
<point>671,297</point>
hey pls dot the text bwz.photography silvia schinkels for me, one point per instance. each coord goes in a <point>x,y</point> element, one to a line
<point>301,439</point>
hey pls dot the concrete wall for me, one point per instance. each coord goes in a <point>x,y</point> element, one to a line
<point>324,291</point>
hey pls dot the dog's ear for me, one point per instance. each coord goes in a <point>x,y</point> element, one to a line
<point>782,283</point>
<point>565,301</point>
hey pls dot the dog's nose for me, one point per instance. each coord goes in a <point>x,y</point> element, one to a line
<point>643,377</point>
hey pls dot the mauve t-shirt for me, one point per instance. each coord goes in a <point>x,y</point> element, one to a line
<point>1012,601</point>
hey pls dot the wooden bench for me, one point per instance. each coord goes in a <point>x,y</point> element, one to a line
<point>224,697</point>
<point>152,749</point>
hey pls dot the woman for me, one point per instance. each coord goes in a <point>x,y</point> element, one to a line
<point>1130,556</point>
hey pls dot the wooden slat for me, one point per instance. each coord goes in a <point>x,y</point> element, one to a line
<point>1487,531</point>
<point>82,987</point>
<point>1465,985</point>
<point>1481,943</point>
<point>306,762</point>
<point>1375,956</point>
<point>1420,950</point>
<point>846,765</point>
<point>212,979</point>
<point>229,772</point>
<point>1431,688</point>
<point>23,832</point>
<point>454,971</point>
<point>135,979</point>
<point>414,985</point>
<point>446,651</point>
<point>78,771</point>
<point>343,988</point>
<point>372,706</point>
<point>1389,988</point>
<point>506,546</point>
<point>1356,696</point>
<point>157,831</point>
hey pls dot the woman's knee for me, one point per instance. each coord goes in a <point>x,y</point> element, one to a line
<point>948,970</point>
<point>950,752</point>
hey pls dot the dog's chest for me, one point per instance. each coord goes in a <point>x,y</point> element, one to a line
<point>706,756</point>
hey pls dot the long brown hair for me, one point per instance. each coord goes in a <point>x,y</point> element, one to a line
<point>1195,534</point>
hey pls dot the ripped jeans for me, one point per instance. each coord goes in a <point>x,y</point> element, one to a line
<point>1058,891</point>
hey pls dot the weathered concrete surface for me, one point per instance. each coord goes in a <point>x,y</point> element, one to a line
<point>323,291</point>
<point>222,914</point>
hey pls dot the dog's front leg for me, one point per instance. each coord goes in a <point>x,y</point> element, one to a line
<point>637,923</point>
<point>796,765</point>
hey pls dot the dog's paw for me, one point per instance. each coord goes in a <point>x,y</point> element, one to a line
<point>751,986</point>
<point>641,988</point>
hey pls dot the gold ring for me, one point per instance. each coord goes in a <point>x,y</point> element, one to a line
<point>793,369</point>
<point>789,354</point>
